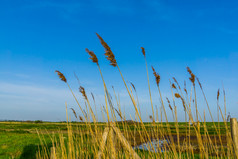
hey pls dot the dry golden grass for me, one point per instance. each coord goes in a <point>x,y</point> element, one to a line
<point>189,140</point>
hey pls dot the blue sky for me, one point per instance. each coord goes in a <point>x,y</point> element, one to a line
<point>39,37</point>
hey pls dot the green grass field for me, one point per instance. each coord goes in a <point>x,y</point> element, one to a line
<point>20,139</point>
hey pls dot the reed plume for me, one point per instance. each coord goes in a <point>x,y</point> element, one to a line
<point>81,118</point>
<point>151,118</point>
<point>108,52</point>
<point>92,96</point>
<point>185,90</point>
<point>170,107</point>
<point>133,86</point>
<point>92,55</point>
<point>218,94</point>
<point>61,76</point>
<point>74,113</point>
<point>167,100</point>
<point>173,86</point>
<point>82,90</point>
<point>157,76</point>
<point>143,51</point>
<point>172,147</point>
<point>176,82</point>
<point>192,78</point>
<point>183,104</point>
<point>177,95</point>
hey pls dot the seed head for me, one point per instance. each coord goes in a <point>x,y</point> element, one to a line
<point>92,55</point>
<point>108,53</point>
<point>133,86</point>
<point>143,51</point>
<point>184,107</point>
<point>157,76</point>
<point>74,113</point>
<point>82,90</point>
<point>192,78</point>
<point>151,118</point>
<point>177,95</point>
<point>185,87</point>
<point>81,118</point>
<point>185,90</point>
<point>176,82</point>
<point>168,100</point>
<point>92,96</point>
<point>173,86</point>
<point>218,94</point>
<point>170,107</point>
<point>61,76</point>
<point>169,104</point>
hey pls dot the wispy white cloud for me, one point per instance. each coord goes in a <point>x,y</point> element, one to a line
<point>32,98</point>
<point>27,99</point>
<point>17,75</point>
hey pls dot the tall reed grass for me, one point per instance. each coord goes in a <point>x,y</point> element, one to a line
<point>194,138</point>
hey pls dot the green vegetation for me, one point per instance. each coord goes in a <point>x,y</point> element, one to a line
<point>20,139</point>
<point>18,142</point>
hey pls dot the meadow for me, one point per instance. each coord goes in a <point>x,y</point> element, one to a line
<point>119,137</point>
<point>21,139</point>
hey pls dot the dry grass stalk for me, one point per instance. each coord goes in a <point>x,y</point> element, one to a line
<point>152,107</point>
<point>171,148</point>
<point>86,115</point>
<point>199,83</point>
<point>119,113</point>
<point>192,79</point>
<point>108,53</point>
<point>61,76</point>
